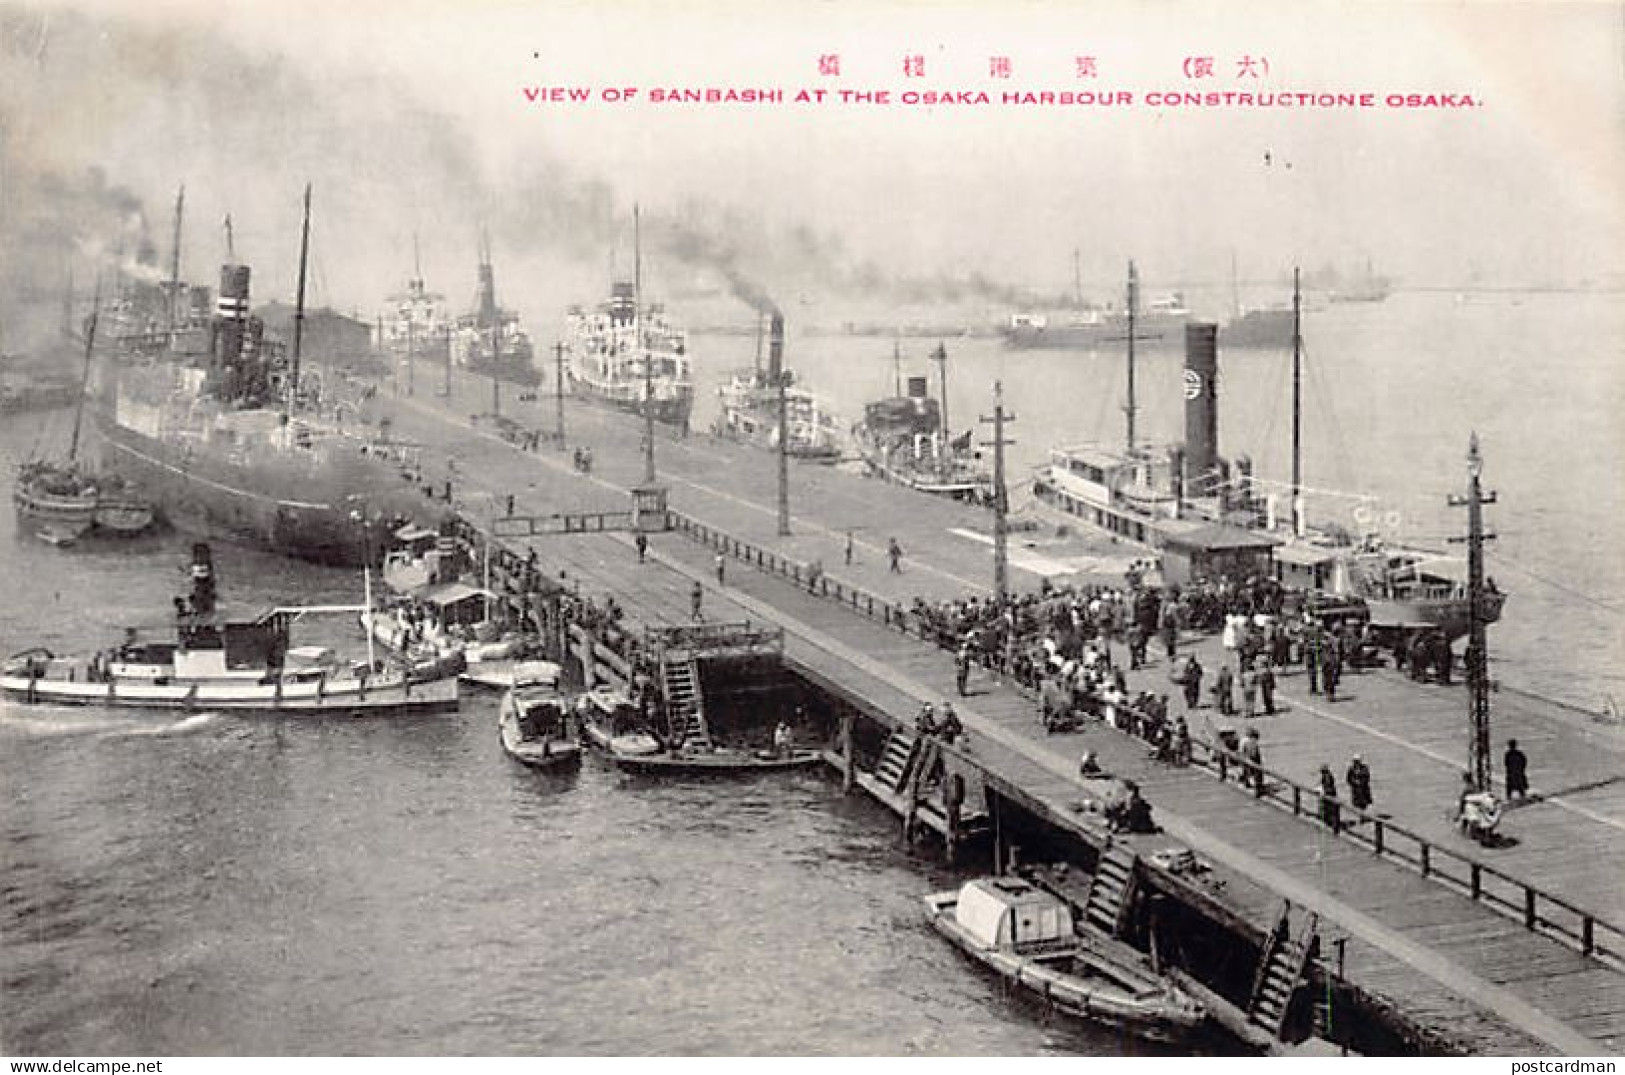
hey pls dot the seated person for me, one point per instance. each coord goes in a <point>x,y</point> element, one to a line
<point>1089,765</point>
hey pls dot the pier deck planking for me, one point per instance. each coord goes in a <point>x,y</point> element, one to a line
<point>1404,730</point>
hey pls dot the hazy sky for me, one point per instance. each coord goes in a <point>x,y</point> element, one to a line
<point>411,118</point>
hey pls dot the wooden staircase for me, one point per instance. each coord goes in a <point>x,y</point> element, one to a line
<point>896,761</point>
<point>1281,967</point>
<point>680,683</point>
<point>1111,889</point>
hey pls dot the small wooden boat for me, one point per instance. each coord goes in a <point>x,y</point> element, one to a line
<point>716,760</point>
<point>1027,936</point>
<point>610,722</point>
<point>536,720</point>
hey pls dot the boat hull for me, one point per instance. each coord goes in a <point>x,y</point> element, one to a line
<point>216,497</point>
<point>716,763</point>
<point>69,515</point>
<point>672,410</point>
<point>1147,1009</point>
<point>303,698</point>
<point>1149,334</point>
<point>549,753</point>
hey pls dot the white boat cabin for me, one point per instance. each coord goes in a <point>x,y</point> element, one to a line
<point>1008,913</point>
<point>535,675</point>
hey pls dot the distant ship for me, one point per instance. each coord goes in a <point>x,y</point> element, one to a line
<point>418,326</point>
<point>903,440</point>
<point>631,358</point>
<point>1372,288</point>
<point>229,440</point>
<point>749,409</point>
<point>489,340</point>
<point>1160,324</point>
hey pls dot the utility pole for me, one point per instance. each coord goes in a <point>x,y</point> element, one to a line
<point>944,451</point>
<point>1478,662</point>
<point>1296,506</point>
<point>558,373</point>
<point>1133,308</point>
<point>897,366</point>
<point>445,340</point>
<point>411,360</point>
<point>496,394</point>
<point>1001,497</point>
<point>784,455</point>
<point>643,351</point>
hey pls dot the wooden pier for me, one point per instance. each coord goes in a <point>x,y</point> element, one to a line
<point>1509,950</point>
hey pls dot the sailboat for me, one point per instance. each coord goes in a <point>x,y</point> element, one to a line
<point>64,499</point>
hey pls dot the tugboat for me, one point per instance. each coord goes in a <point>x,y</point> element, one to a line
<point>536,722</point>
<point>631,356</point>
<point>750,409</point>
<point>212,662</point>
<point>229,439</point>
<point>903,439</point>
<point>489,341</point>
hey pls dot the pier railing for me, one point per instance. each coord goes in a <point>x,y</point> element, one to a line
<point>1539,910</point>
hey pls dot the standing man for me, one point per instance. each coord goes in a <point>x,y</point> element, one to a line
<point>695,597</point>
<point>1252,762</point>
<point>849,548</point>
<point>1517,767</point>
<point>962,671</point>
<point>1223,689</point>
<point>721,567</point>
<point>642,542</point>
<point>1331,669</point>
<point>1358,779</point>
<point>1266,682</point>
<point>1331,814</point>
<point>1192,682</point>
<point>1168,622</point>
<point>894,552</point>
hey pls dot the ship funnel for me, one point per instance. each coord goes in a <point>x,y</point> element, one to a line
<point>775,350</point>
<point>485,296</point>
<point>230,325</point>
<point>203,590</point>
<point>917,388</point>
<point>1201,407</point>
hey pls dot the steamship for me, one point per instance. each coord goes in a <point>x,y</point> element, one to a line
<point>631,356</point>
<point>902,440</point>
<point>489,340</point>
<point>214,423</point>
<point>749,409</point>
<point>1189,495</point>
<point>1160,324</point>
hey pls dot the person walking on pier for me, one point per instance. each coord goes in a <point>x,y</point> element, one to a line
<point>1358,779</point>
<point>1266,683</point>
<point>721,566</point>
<point>1168,623</point>
<point>642,543</point>
<point>1331,668</point>
<point>1517,768</point>
<point>1192,682</point>
<point>1252,762</point>
<point>1249,691</point>
<point>1312,652</point>
<point>894,553</point>
<point>696,597</point>
<point>962,663</point>
<point>1224,690</point>
<point>1331,813</point>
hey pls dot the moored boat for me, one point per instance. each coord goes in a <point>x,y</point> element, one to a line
<point>749,409</point>
<point>489,340</point>
<point>611,723</point>
<point>536,720</point>
<point>707,759</point>
<point>1027,936</point>
<point>904,440</point>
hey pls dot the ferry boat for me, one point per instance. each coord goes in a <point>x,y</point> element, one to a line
<point>489,340</point>
<point>902,439</point>
<point>1027,936</point>
<point>536,721</point>
<point>749,409</point>
<point>631,356</point>
<point>220,429</point>
<point>1150,496</point>
<point>208,661</point>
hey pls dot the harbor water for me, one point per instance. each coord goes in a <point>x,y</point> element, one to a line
<point>220,884</point>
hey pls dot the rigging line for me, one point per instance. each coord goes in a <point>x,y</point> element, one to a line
<point>1274,412</point>
<point>1578,595</point>
<point>1322,395</point>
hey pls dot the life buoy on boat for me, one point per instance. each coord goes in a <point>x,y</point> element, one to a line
<point>1391,520</point>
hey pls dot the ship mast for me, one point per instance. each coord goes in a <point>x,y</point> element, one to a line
<point>1077,278</point>
<point>940,357</point>
<point>175,260</point>
<point>897,366</point>
<point>1297,405</point>
<point>84,380</point>
<point>299,304</point>
<point>231,247</point>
